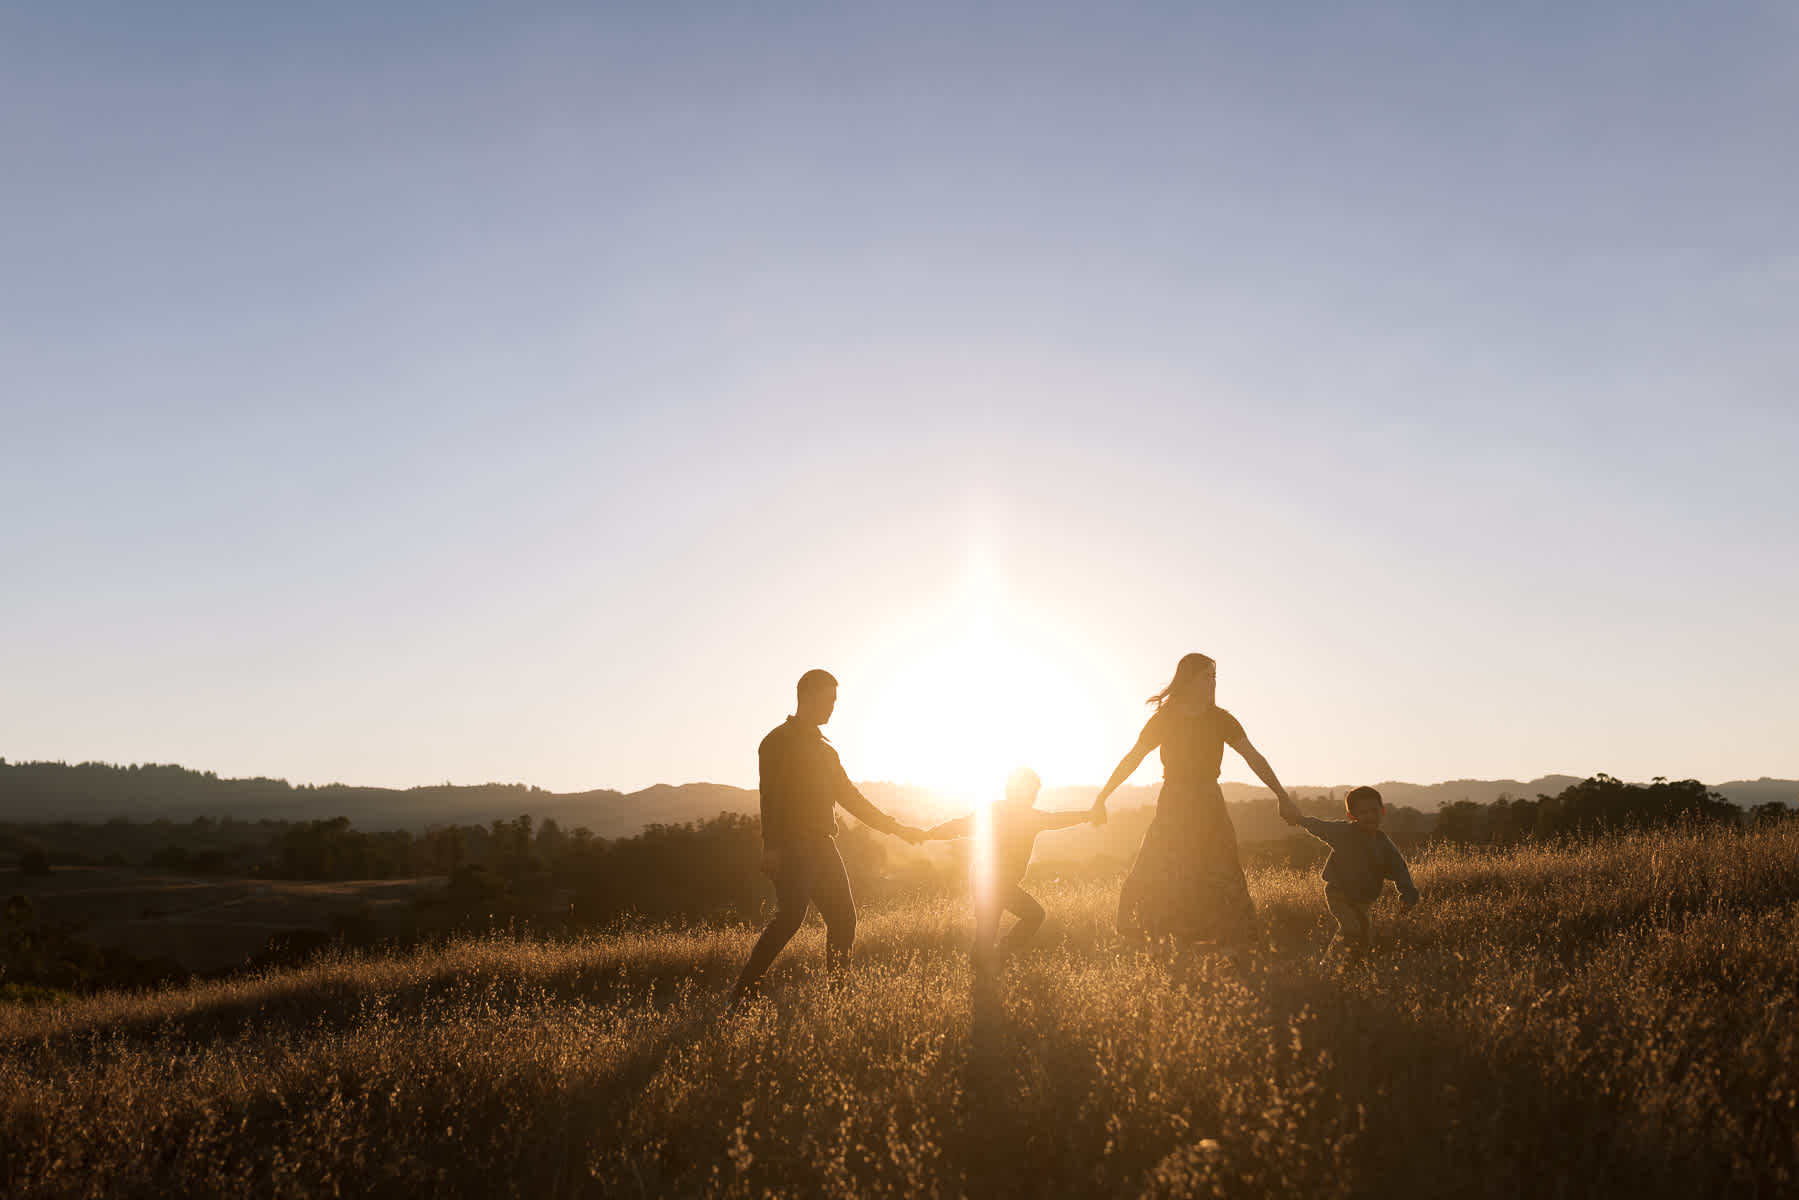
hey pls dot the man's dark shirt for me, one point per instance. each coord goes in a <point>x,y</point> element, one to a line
<point>802,782</point>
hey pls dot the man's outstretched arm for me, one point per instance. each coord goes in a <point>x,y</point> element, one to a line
<point>863,809</point>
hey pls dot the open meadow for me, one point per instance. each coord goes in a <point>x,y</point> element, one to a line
<point>1616,1017</point>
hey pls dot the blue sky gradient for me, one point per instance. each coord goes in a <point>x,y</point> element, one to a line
<point>532,392</point>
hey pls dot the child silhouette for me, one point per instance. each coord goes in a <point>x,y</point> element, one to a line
<point>1004,836</point>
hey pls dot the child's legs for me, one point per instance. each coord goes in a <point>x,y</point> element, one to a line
<point>987,912</point>
<point>1030,916</point>
<point>1355,921</point>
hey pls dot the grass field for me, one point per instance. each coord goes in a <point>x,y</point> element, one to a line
<point>1617,1018</point>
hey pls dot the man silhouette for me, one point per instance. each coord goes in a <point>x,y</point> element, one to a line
<point>802,782</point>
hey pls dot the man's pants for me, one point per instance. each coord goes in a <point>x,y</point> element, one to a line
<point>1355,921</point>
<point>807,873</point>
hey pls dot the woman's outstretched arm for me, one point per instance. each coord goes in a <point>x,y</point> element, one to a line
<point>1265,773</point>
<point>1148,740</point>
<point>1063,820</point>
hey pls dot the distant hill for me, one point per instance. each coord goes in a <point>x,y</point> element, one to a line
<point>1751,792</point>
<point>1429,797</point>
<point>97,792</point>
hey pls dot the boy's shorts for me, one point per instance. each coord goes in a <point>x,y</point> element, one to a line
<point>1355,918</point>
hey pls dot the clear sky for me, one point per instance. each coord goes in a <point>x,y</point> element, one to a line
<point>404,393</point>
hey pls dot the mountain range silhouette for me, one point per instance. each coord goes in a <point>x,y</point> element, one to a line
<point>92,792</point>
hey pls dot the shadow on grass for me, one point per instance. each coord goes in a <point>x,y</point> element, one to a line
<point>1378,1099</point>
<point>1446,1110</point>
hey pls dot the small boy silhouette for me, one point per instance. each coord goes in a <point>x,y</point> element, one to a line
<point>1004,836</point>
<point>1362,859</point>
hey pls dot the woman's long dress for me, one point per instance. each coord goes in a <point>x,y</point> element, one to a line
<point>1187,881</point>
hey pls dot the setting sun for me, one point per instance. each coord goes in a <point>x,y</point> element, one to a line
<point>958,707</point>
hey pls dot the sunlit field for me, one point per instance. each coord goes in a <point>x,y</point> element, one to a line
<point>1616,1018</point>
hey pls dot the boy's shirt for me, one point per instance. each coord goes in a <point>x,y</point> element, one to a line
<point>1014,832</point>
<point>1360,862</point>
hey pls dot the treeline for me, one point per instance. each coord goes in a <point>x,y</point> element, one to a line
<point>703,870</point>
<point>713,864</point>
<point>529,875</point>
<point>322,850</point>
<point>519,875</point>
<point>1594,806</point>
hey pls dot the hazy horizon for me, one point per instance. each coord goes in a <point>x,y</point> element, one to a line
<point>1145,780</point>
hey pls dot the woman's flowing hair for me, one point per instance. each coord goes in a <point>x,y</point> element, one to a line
<point>1187,672</point>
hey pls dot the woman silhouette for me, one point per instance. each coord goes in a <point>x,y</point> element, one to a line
<point>1187,882</point>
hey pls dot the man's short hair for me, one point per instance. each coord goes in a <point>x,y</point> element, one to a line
<point>815,679</point>
<point>1362,795</point>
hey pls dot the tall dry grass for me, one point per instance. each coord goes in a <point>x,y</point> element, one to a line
<point>1613,1018</point>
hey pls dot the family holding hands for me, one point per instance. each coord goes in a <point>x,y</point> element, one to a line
<point>1186,884</point>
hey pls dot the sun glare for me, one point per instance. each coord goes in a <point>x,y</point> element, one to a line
<point>982,857</point>
<point>959,707</point>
